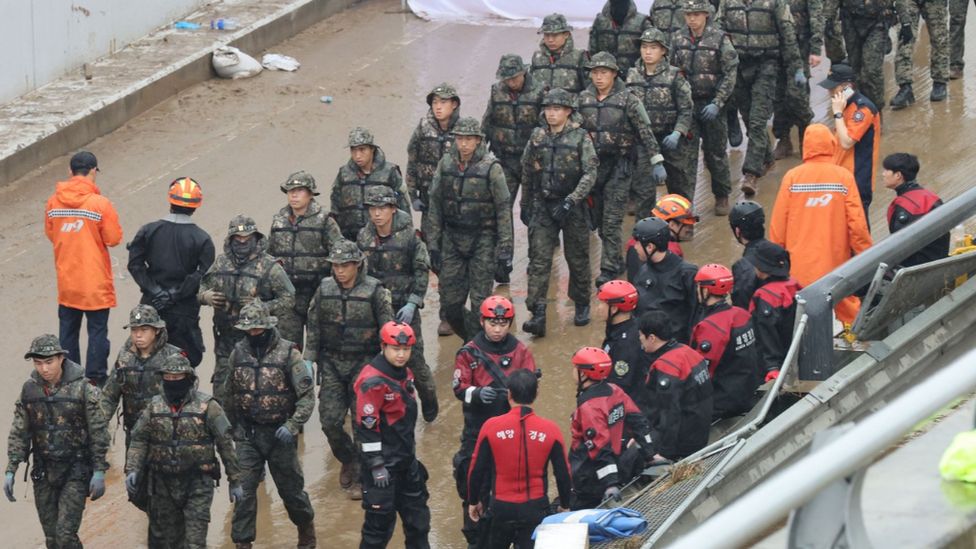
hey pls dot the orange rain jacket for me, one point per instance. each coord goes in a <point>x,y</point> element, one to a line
<point>82,224</point>
<point>818,215</point>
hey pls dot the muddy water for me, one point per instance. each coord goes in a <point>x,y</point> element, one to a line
<point>241,139</point>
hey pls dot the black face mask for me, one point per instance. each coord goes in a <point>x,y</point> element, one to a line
<point>259,341</point>
<point>618,10</point>
<point>243,250</point>
<point>176,390</point>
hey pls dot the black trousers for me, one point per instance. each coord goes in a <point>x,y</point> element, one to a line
<point>513,523</point>
<point>407,495</point>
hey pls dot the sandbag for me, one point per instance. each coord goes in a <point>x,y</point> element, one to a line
<point>230,62</point>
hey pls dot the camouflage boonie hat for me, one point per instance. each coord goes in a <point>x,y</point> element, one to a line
<point>242,225</point>
<point>559,96</point>
<point>510,66</point>
<point>380,195</point>
<point>360,136</point>
<point>697,6</point>
<point>298,180</point>
<point>144,315</point>
<point>554,23</point>
<point>45,346</point>
<point>603,59</point>
<point>177,364</point>
<point>345,251</point>
<point>467,126</point>
<point>654,34</point>
<point>444,91</point>
<point>256,314</point>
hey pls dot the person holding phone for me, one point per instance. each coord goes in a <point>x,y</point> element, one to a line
<point>857,126</point>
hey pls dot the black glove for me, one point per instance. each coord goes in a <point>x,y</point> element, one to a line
<point>381,477</point>
<point>905,35</point>
<point>162,299</point>
<point>503,267</point>
<point>132,483</point>
<point>284,435</point>
<point>435,261</point>
<point>8,487</point>
<point>525,214</point>
<point>487,395</point>
<point>560,212</point>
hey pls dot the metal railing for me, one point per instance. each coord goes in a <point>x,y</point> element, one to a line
<point>759,509</point>
<point>816,361</point>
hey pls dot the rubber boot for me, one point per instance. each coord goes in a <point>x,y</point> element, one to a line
<point>582,316</point>
<point>306,536</point>
<point>537,324</point>
<point>735,130</point>
<point>904,97</point>
<point>939,92</point>
<point>784,148</point>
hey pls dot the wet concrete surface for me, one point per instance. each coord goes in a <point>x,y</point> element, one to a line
<point>240,139</point>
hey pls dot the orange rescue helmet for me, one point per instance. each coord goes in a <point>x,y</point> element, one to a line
<point>496,306</point>
<point>717,279</point>
<point>185,192</point>
<point>619,293</point>
<point>674,207</point>
<point>397,333</point>
<point>594,362</point>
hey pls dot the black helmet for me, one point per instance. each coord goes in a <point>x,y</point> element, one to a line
<point>747,216</point>
<point>653,230</point>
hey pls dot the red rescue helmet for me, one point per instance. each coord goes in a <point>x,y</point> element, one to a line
<point>619,293</point>
<point>185,192</point>
<point>674,207</point>
<point>397,333</point>
<point>594,362</point>
<point>496,306</point>
<point>717,279</point>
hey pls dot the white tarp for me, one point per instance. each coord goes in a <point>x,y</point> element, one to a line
<point>579,13</point>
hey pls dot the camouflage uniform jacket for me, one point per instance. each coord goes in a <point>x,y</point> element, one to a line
<point>761,29</point>
<point>709,63</point>
<point>557,165</point>
<point>173,440</point>
<point>666,96</point>
<point>667,15</point>
<point>427,145</point>
<point>563,69</point>
<point>808,20</point>
<point>617,122</point>
<point>135,380</point>
<point>399,261</point>
<point>346,323</point>
<point>511,116</point>
<point>260,276</point>
<point>274,388</point>
<point>864,9</point>
<point>302,243</point>
<point>623,41</point>
<point>470,201</point>
<point>349,192</point>
<point>63,423</point>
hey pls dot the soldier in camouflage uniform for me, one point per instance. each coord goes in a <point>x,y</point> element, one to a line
<point>936,21</point>
<point>173,447</point>
<point>367,167</point>
<point>617,30</point>
<point>667,15</point>
<point>957,37</point>
<point>865,26</point>
<point>513,111</point>
<point>557,63</point>
<point>666,96</point>
<point>706,57</point>
<point>270,395</point>
<point>470,236</point>
<point>397,257</point>
<point>617,122</point>
<point>344,320</point>
<point>792,105</point>
<point>763,35</point>
<point>302,233</point>
<point>560,166</point>
<point>244,271</point>
<point>58,420</point>
<point>430,141</point>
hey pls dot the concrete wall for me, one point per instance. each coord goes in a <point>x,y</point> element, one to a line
<point>40,40</point>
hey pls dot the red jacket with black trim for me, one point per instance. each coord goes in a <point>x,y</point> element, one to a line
<point>681,400</point>
<point>385,414</point>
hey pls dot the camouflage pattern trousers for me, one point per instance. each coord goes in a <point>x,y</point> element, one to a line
<point>834,40</point>
<point>713,135</point>
<point>792,104</point>
<point>755,91</point>
<point>179,510</point>
<point>223,345</point>
<point>60,494</point>
<point>543,240</point>
<point>336,399</point>
<point>512,166</point>
<point>610,198</point>
<point>936,21</point>
<point>257,446</point>
<point>866,40</point>
<point>957,32</point>
<point>467,270</point>
<point>292,325</point>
